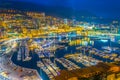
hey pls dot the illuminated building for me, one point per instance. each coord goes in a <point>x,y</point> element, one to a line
<point>65,21</point>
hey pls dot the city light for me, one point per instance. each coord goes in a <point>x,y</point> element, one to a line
<point>55,40</point>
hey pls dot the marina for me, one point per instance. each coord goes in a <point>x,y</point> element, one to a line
<point>37,46</point>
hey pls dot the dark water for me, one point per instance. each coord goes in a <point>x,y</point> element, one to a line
<point>60,53</point>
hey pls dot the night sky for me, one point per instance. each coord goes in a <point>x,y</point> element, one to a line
<point>101,8</point>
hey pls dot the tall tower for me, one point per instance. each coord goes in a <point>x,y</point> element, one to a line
<point>65,21</point>
<point>74,22</point>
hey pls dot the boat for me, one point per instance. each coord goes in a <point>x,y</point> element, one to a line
<point>61,47</point>
<point>64,42</point>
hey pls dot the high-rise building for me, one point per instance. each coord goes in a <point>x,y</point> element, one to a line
<point>65,21</point>
<point>74,22</point>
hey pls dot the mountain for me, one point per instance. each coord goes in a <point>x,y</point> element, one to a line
<point>57,11</point>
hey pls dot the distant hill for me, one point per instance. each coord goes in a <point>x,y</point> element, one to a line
<point>50,10</point>
<point>58,11</point>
